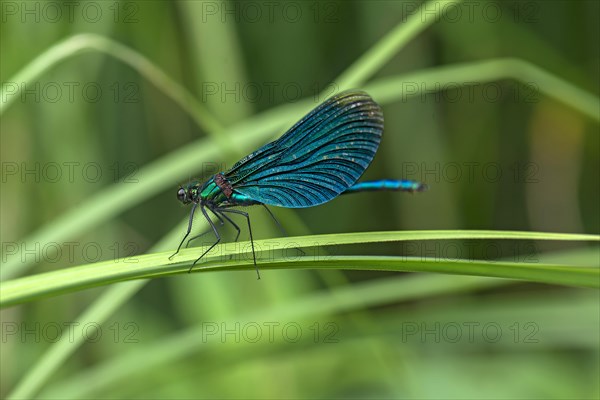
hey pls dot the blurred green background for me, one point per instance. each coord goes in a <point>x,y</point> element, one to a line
<point>497,155</point>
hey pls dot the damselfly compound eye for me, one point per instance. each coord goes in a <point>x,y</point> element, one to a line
<point>181,195</point>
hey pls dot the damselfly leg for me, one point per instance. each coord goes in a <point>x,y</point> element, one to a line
<point>189,229</point>
<point>206,231</point>
<point>214,228</point>
<point>245,214</point>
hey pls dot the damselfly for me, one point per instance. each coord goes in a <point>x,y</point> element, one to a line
<point>319,158</point>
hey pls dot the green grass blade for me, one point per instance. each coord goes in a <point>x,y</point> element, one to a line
<point>87,42</point>
<point>394,41</point>
<point>476,73</point>
<point>155,265</point>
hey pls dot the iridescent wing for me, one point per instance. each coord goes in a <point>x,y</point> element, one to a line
<point>318,158</point>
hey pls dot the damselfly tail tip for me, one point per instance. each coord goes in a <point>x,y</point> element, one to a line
<point>422,187</point>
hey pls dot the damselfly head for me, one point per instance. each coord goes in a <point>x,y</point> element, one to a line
<point>182,196</point>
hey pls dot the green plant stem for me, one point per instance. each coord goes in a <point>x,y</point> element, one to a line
<point>478,72</point>
<point>87,42</point>
<point>154,265</point>
<point>379,54</point>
